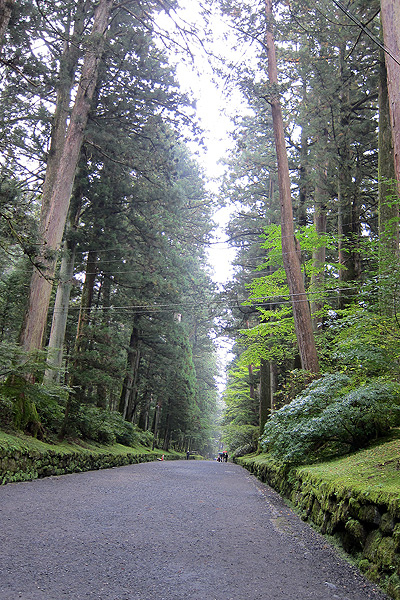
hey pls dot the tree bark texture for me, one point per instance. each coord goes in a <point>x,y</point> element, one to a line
<point>301,309</point>
<point>55,217</point>
<point>60,315</point>
<point>265,394</point>
<point>6,8</point>
<point>81,339</point>
<point>390,15</point>
<point>61,306</point>
<point>388,210</point>
<point>349,230</point>
<point>126,403</point>
<point>66,79</point>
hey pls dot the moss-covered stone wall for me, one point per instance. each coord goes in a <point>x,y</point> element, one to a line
<point>368,528</point>
<point>23,460</point>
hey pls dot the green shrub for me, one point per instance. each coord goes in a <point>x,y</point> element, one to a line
<point>243,450</point>
<point>108,427</point>
<point>145,437</point>
<point>128,434</point>
<point>50,403</point>
<point>6,412</point>
<point>237,436</point>
<point>328,419</point>
<point>92,424</point>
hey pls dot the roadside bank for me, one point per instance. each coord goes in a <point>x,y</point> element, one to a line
<point>23,458</point>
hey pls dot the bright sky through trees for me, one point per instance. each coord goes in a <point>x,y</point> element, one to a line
<point>216,105</point>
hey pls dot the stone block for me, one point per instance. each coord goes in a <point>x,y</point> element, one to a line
<point>386,524</point>
<point>370,514</point>
<point>355,534</point>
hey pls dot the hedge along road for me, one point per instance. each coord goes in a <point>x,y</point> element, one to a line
<point>164,531</point>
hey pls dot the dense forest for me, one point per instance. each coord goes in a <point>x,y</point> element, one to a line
<point>106,299</point>
<point>108,309</point>
<point>313,180</point>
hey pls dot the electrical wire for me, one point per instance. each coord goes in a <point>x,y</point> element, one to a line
<point>159,308</point>
<point>367,31</point>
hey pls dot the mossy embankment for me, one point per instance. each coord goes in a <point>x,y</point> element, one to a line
<point>23,458</point>
<point>355,499</point>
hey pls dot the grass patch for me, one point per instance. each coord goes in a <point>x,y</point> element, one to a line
<point>375,471</point>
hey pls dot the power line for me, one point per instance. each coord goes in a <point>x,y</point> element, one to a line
<point>143,308</point>
<point>367,31</point>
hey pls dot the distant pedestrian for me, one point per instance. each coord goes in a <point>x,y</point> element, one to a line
<point>187,455</point>
<point>225,456</point>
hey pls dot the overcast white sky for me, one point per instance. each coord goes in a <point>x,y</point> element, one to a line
<point>215,107</point>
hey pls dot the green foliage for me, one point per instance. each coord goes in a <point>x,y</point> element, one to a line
<point>330,418</point>
<point>244,450</point>
<point>241,408</point>
<point>6,413</point>
<point>273,336</point>
<point>238,436</point>
<point>106,427</point>
<point>296,381</point>
<point>365,343</point>
<point>50,401</point>
<point>34,405</point>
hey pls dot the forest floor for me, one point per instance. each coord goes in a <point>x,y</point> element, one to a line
<point>174,530</point>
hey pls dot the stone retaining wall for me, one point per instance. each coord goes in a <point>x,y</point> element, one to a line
<point>24,464</point>
<point>368,529</point>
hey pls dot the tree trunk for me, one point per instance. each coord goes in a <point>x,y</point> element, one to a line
<point>133,392</point>
<point>143,421</point>
<point>126,402</point>
<point>388,210</point>
<point>156,422</point>
<point>68,65</point>
<point>265,394</point>
<point>75,399</point>
<point>390,15</point>
<point>252,390</point>
<point>6,8</point>
<point>87,297</point>
<point>167,434</point>
<point>61,306</point>
<point>105,296</point>
<point>348,215</point>
<point>60,315</point>
<point>301,309</point>
<point>318,276</point>
<point>303,174</point>
<point>55,216</point>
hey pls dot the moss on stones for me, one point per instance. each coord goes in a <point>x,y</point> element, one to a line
<point>23,459</point>
<point>355,535</point>
<point>386,524</point>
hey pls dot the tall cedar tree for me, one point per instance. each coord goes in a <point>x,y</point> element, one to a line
<point>301,309</point>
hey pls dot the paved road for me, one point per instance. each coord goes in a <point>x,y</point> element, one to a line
<point>164,531</point>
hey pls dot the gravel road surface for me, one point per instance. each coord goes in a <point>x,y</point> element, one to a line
<point>176,530</point>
